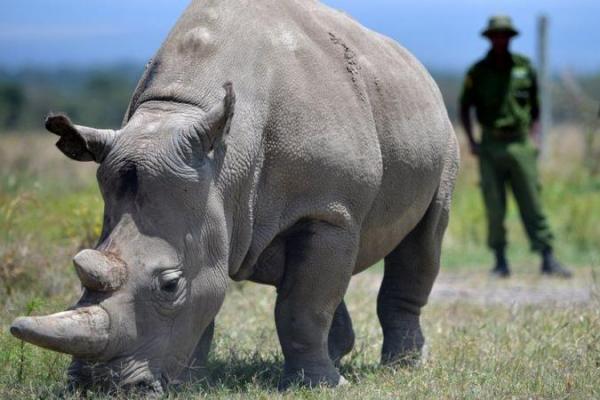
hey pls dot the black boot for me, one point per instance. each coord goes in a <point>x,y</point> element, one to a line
<point>551,266</point>
<point>501,269</point>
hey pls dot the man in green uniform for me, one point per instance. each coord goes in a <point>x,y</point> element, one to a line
<point>502,88</point>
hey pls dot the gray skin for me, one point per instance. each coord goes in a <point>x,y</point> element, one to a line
<point>333,152</point>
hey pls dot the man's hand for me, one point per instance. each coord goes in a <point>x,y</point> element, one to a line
<point>474,147</point>
<point>534,133</point>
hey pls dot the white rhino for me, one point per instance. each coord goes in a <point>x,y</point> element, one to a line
<point>335,151</point>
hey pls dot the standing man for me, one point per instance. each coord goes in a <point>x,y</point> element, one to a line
<point>502,88</point>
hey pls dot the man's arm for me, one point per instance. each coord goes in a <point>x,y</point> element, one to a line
<point>465,105</point>
<point>534,129</point>
<point>467,123</point>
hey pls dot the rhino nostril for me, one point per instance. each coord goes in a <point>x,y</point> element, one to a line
<point>15,331</point>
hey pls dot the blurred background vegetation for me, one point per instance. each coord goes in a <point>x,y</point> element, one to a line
<point>94,96</point>
<point>99,96</point>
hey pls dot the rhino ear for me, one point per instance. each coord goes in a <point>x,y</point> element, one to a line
<point>218,119</point>
<point>79,142</point>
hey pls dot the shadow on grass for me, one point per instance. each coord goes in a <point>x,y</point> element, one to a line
<point>236,375</point>
<point>228,373</point>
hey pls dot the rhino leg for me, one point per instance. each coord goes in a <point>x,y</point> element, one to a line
<point>197,365</point>
<point>319,262</point>
<point>341,334</point>
<point>410,271</point>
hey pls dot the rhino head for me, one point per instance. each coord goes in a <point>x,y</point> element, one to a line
<point>158,275</point>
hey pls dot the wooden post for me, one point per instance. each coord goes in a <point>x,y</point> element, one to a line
<point>544,83</point>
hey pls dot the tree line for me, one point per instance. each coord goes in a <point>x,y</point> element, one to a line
<point>99,96</point>
<point>92,96</point>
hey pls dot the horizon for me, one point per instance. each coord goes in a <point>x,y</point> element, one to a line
<point>104,33</point>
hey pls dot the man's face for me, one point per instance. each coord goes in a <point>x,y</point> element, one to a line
<point>500,41</point>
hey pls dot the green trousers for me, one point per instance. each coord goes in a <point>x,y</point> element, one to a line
<point>512,163</point>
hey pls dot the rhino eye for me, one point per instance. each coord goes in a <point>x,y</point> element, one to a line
<point>169,289</point>
<point>169,281</point>
<point>170,286</point>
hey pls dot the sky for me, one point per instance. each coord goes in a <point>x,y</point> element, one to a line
<point>443,34</point>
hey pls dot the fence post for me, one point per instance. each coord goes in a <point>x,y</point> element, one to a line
<point>544,83</point>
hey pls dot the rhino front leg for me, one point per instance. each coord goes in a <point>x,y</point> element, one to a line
<point>319,262</point>
<point>341,334</point>
<point>197,365</point>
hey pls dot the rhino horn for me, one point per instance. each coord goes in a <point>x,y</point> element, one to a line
<point>99,271</point>
<point>82,332</point>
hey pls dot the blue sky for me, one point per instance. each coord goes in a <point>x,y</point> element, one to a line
<point>444,34</point>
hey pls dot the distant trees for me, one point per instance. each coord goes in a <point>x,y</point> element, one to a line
<point>99,96</point>
<point>96,97</point>
<point>12,100</point>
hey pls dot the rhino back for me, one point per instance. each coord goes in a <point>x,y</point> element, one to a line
<point>414,136</point>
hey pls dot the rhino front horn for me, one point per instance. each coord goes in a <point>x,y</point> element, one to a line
<point>99,271</point>
<point>83,332</point>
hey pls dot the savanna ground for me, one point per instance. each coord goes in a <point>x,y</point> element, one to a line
<point>527,337</point>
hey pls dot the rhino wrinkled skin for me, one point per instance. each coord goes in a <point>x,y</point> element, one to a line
<point>276,141</point>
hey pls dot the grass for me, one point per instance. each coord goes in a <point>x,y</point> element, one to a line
<point>474,352</point>
<point>50,207</point>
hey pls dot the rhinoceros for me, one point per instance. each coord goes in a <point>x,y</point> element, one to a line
<point>276,141</point>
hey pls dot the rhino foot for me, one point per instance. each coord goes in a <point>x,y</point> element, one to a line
<point>310,379</point>
<point>341,335</point>
<point>403,343</point>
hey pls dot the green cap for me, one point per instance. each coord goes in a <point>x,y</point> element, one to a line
<point>500,23</point>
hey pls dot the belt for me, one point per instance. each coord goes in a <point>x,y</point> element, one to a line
<point>504,134</point>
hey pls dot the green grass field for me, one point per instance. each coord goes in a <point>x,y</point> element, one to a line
<point>525,338</point>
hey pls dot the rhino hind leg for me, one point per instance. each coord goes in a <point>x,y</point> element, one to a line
<point>319,262</point>
<point>410,271</point>
<point>341,334</point>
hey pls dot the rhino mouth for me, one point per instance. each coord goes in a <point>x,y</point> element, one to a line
<point>119,375</point>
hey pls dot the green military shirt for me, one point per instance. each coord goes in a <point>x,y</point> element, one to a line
<point>505,98</point>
